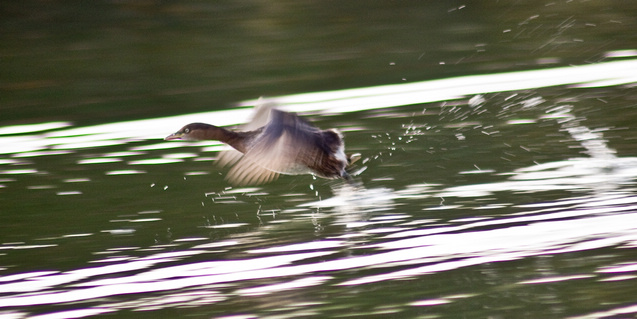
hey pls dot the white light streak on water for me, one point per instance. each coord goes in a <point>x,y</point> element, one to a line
<point>334,102</point>
<point>30,128</point>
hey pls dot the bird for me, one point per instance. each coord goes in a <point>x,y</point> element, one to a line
<point>274,142</point>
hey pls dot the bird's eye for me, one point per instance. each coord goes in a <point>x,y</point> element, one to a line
<point>187,130</point>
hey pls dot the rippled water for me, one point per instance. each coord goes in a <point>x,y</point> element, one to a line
<point>509,194</point>
<point>503,185</point>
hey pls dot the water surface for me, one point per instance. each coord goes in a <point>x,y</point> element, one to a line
<point>497,178</point>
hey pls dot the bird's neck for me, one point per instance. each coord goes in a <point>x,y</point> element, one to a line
<point>235,139</point>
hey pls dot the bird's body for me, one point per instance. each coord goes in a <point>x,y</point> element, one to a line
<point>285,144</point>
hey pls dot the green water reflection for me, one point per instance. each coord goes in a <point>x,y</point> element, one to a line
<point>513,204</point>
<point>109,61</point>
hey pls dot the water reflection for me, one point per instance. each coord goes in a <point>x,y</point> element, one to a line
<point>320,237</point>
<point>396,246</point>
<point>336,102</point>
<point>402,247</point>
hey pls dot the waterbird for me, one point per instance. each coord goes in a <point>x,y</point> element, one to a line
<point>274,142</point>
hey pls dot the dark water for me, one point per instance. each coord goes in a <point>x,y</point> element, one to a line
<point>497,178</point>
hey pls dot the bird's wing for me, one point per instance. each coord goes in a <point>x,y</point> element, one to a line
<point>228,157</point>
<point>258,119</point>
<point>286,145</point>
<point>246,172</point>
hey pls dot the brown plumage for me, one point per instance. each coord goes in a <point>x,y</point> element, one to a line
<point>274,142</point>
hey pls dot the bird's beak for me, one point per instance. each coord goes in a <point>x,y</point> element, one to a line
<point>174,136</point>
